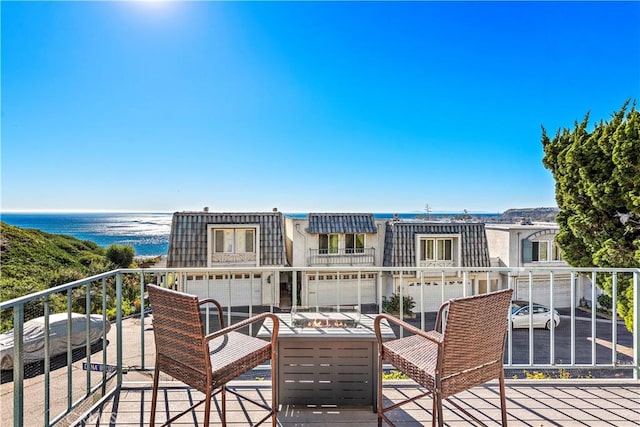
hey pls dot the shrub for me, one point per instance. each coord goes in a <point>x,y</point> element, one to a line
<point>120,255</point>
<point>392,305</point>
<point>605,301</point>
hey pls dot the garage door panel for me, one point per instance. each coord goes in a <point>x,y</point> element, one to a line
<point>329,292</point>
<point>234,292</point>
<point>541,292</point>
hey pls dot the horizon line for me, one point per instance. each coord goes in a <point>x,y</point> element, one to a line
<point>97,211</point>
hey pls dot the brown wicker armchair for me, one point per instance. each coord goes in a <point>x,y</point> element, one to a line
<point>466,352</point>
<point>205,362</point>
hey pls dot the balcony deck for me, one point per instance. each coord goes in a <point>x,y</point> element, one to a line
<point>61,392</point>
<point>529,403</point>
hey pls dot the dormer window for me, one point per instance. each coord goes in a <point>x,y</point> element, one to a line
<point>436,250</point>
<point>234,240</point>
<point>233,245</point>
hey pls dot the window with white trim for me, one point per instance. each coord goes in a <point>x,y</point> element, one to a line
<point>436,249</point>
<point>234,240</point>
<point>354,243</point>
<point>328,243</point>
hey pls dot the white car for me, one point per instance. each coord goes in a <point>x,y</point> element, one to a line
<point>34,333</point>
<point>541,315</point>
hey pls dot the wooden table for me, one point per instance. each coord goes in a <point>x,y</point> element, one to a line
<point>327,365</point>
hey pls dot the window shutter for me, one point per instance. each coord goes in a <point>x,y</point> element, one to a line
<point>527,250</point>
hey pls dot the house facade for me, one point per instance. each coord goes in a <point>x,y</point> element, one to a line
<point>217,239</point>
<point>326,240</point>
<point>359,240</point>
<point>532,244</point>
<point>421,243</point>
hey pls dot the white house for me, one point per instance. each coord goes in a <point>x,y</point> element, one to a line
<point>529,244</point>
<point>335,240</point>
<point>422,243</point>
<point>219,239</point>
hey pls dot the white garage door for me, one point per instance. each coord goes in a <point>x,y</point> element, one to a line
<point>237,290</point>
<point>541,292</point>
<point>433,293</point>
<point>328,290</point>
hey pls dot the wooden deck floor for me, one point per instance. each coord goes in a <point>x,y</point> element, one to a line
<point>529,402</point>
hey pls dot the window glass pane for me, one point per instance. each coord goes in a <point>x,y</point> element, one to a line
<point>323,243</point>
<point>543,252</point>
<point>360,242</point>
<point>349,243</point>
<point>333,243</point>
<point>535,251</point>
<point>430,249</point>
<point>219,240</point>
<point>228,241</point>
<point>240,240</point>
<point>447,250</point>
<point>423,249</point>
<point>248,242</point>
<point>557,253</point>
<point>440,252</point>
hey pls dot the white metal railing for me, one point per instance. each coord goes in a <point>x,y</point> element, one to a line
<point>579,342</point>
<point>342,256</point>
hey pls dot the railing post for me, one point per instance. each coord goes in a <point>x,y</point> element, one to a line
<point>47,365</point>
<point>294,288</point>
<point>636,324</point>
<point>18,366</point>
<point>142,284</point>
<point>119,326</point>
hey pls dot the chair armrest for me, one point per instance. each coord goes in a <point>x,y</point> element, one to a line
<point>218,306</point>
<point>433,336</point>
<point>247,322</point>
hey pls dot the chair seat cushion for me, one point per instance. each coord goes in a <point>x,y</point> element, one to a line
<point>234,354</point>
<point>415,356</point>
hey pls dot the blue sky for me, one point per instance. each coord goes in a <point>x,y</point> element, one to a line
<point>329,106</point>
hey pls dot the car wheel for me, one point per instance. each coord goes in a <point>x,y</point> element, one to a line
<point>548,325</point>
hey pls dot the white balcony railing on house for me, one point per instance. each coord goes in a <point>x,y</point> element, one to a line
<point>342,256</point>
<point>63,387</point>
<point>227,258</point>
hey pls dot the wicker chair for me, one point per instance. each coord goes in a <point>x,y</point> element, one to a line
<point>205,362</point>
<point>466,352</point>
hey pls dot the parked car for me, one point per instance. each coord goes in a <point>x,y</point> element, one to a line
<point>34,333</point>
<point>541,315</point>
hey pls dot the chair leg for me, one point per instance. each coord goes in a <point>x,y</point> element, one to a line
<point>274,392</point>
<point>207,409</point>
<point>223,416</point>
<point>433,410</point>
<point>438,398</point>
<point>154,396</point>
<point>503,400</point>
<point>379,397</point>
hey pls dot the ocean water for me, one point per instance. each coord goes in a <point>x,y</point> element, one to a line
<point>148,233</point>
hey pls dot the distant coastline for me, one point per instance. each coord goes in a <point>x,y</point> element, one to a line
<point>148,232</point>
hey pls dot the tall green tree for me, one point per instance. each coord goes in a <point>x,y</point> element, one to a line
<point>597,183</point>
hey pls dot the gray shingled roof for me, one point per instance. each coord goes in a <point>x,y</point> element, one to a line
<point>322,223</point>
<point>188,236</point>
<point>400,243</point>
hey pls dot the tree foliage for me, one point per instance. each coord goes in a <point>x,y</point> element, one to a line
<point>121,255</point>
<point>597,184</point>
